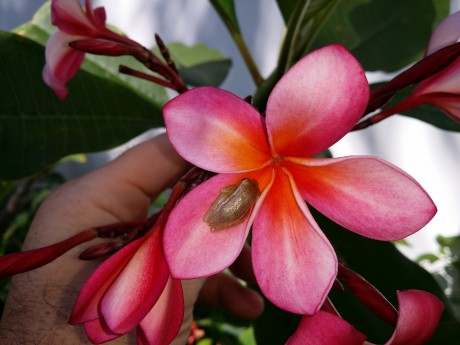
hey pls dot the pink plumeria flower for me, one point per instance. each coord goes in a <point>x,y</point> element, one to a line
<point>131,290</point>
<point>62,61</point>
<point>442,89</point>
<point>446,33</point>
<point>418,317</point>
<point>314,105</point>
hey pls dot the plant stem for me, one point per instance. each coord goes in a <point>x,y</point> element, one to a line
<point>231,24</point>
<point>382,115</point>
<point>247,57</point>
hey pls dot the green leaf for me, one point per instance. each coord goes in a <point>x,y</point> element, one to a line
<point>247,337</point>
<point>39,29</point>
<point>383,34</point>
<point>303,25</point>
<point>207,74</point>
<point>427,257</point>
<point>447,333</point>
<point>200,65</point>
<point>36,129</point>
<point>275,325</point>
<point>287,7</point>
<point>433,115</point>
<point>226,10</point>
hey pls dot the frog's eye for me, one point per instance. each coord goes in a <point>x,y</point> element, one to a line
<point>233,205</point>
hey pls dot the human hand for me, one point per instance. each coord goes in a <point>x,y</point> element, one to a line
<point>40,301</point>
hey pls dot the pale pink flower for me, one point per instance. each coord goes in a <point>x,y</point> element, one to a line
<point>74,23</point>
<point>446,33</point>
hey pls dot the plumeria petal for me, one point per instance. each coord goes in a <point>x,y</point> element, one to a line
<point>446,81</point>
<point>217,131</point>
<point>364,194</point>
<point>447,32</point>
<point>316,102</point>
<point>163,322</point>
<point>137,288</point>
<point>368,294</point>
<point>68,15</point>
<point>98,333</point>
<point>96,15</point>
<point>294,263</point>
<point>324,328</point>
<point>448,102</point>
<point>419,314</point>
<point>191,248</point>
<point>62,62</point>
<point>442,90</point>
<point>87,304</point>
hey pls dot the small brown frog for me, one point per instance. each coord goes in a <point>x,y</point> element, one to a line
<point>233,205</point>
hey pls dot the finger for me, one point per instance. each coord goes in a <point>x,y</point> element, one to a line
<point>225,291</point>
<point>120,191</point>
<point>191,289</point>
<point>242,267</point>
<point>41,300</point>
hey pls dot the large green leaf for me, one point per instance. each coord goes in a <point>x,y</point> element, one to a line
<point>200,65</point>
<point>275,325</point>
<point>36,129</point>
<point>304,22</point>
<point>287,7</point>
<point>447,333</point>
<point>39,29</point>
<point>383,34</point>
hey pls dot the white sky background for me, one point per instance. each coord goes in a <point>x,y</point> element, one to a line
<point>428,154</point>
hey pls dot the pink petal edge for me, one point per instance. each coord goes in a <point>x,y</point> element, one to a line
<point>161,325</point>
<point>419,315</point>
<point>364,194</point>
<point>192,250</point>
<point>447,33</point>
<point>98,333</point>
<point>87,305</point>
<point>316,102</point>
<point>62,62</point>
<point>137,287</point>
<point>217,131</point>
<point>324,328</point>
<point>294,263</point>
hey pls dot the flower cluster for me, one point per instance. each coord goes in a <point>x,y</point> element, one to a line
<point>268,173</point>
<point>121,295</point>
<point>76,24</point>
<point>436,76</point>
<point>316,103</point>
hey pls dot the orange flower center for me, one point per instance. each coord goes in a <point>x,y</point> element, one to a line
<point>277,161</point>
